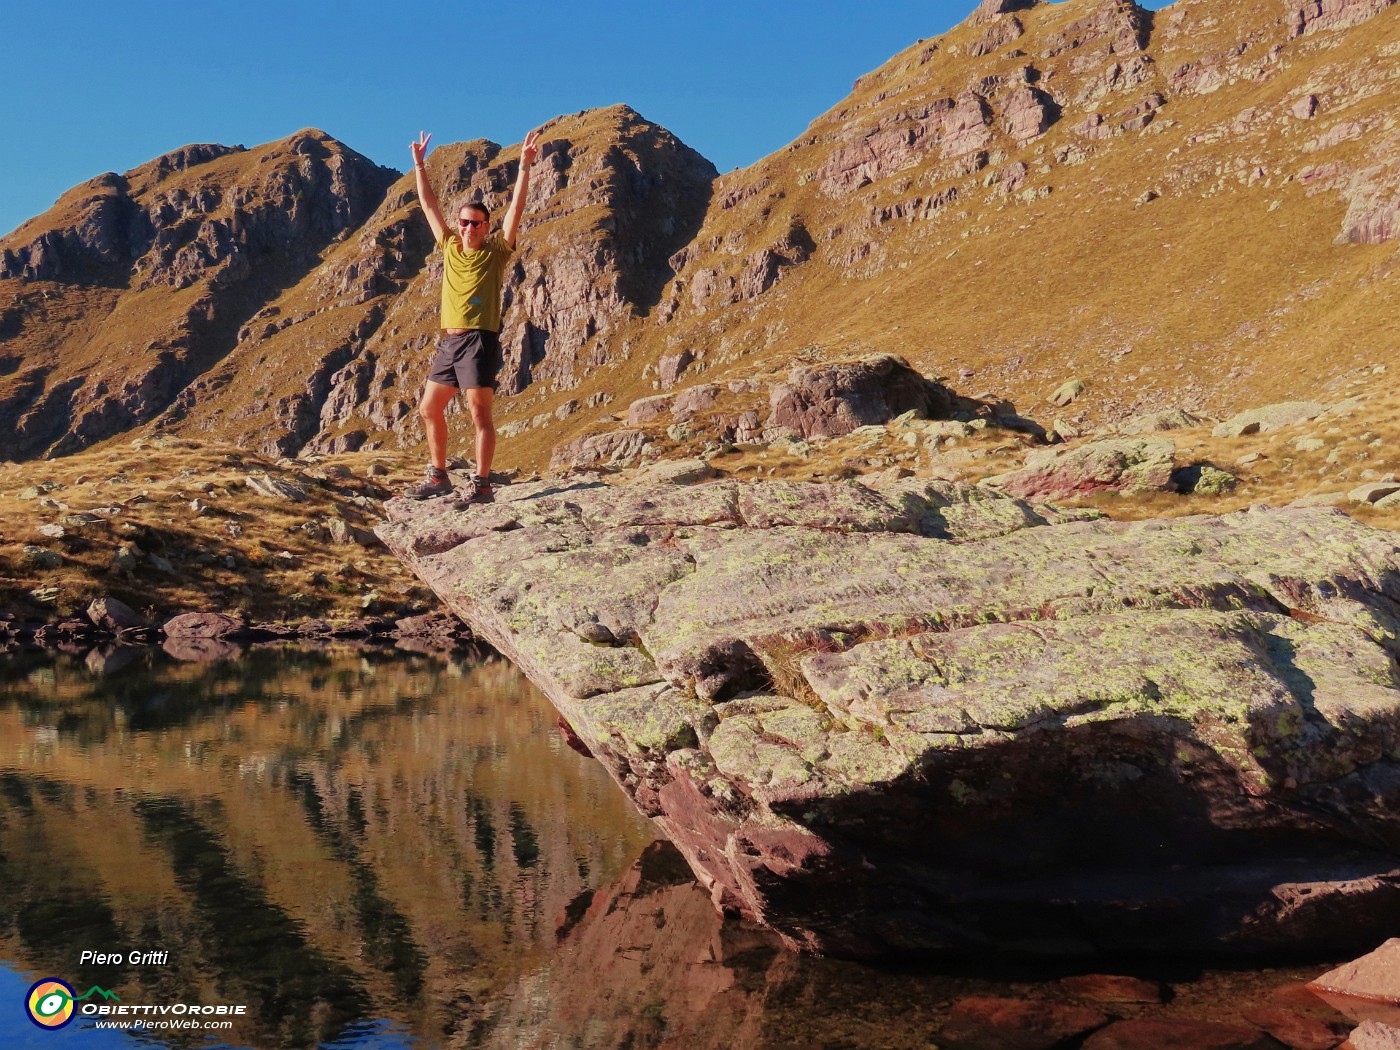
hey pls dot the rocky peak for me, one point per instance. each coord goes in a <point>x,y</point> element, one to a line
<point>235,225</point>
<point>181,197</point>
<point>309,140</point>
<point>990,10</point>
<point>612,197</point>
<point>96,238</point>
<point>179,160</point>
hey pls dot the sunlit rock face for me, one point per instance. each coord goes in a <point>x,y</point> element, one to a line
<point>283,296</point>
<point>921,718</point>
<point>133,285</point>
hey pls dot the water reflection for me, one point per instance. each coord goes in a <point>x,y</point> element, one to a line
<point>373,850</point>
<point>646,964</point>
<point>360,848</point>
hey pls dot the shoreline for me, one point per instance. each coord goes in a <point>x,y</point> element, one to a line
<point>208,636</point>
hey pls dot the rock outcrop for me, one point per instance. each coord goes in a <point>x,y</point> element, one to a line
<point>999,34</point>
<point>1373,1035</point>
<point>1367,989</point>
<point>990,10</point>
<point>813,401</point>
<point>922,718</point>
<point>1117,464</point>
<point>617,449</point>
<point>834,399</point>
<point>1317,15</point>
<point>1373,208</point>
<point>1269,417</point>
<point>1153,422</point>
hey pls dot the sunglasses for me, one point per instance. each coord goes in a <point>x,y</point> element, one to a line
<point>472,222</point>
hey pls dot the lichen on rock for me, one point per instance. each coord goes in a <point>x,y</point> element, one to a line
<point>944,706</point>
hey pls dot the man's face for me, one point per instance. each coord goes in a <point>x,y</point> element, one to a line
<point>471,224</point>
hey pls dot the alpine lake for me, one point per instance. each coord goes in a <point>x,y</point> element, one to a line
<point>371,848</point>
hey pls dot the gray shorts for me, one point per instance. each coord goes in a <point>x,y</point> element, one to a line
<point>467,361</point>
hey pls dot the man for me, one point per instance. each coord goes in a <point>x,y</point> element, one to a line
<point>468,354</point>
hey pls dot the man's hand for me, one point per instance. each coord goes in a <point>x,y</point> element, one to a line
<point>420,148</point>
<point>426,196</point>
<point>529,151</point>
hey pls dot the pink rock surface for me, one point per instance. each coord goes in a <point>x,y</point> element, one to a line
<point>1373,1035</point>
<point>1107,988</point>
<point>993,1023</point>
<point>1115,464</point>
<point>1178,1035</point>
<point>1367,989</point>
<point>1296,1031</point>
<point>1317,15</point>
<point>925,718</point>
<point>203,625</point>
<point>833,399</point>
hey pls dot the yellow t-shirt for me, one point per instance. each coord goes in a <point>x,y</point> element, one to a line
<point>471,282</point>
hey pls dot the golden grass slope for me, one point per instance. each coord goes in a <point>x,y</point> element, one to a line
<point>131,530</point>
<point>1190,263</point>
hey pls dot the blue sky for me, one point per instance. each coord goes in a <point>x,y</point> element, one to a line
<point>104,87</point>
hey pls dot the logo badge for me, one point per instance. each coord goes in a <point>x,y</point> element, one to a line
<point>50,1003</point>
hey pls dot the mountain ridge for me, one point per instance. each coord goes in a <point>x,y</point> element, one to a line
<point>1193,207</point>
<point>156,272</point>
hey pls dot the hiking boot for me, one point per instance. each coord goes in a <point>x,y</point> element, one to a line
<point>435,483</point>
<point>478,489</point>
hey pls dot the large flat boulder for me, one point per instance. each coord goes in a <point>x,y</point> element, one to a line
<point>1113,464</point>
<point>835,398</point>
<point>1270,417</point>
<point>926,719</point>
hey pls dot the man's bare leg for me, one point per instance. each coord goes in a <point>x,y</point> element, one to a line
<point>479,399</point>
<point>432,408</point>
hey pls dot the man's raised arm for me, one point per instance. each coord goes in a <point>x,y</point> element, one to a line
<point>528,152</point>
<point>426,197</point>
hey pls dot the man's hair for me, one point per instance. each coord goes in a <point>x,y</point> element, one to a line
<point>477,206</point>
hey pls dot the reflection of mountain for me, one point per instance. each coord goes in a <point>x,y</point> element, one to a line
<point>327,838</point>
<point>648,964</point>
